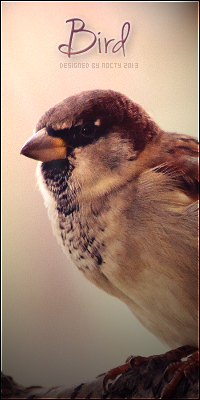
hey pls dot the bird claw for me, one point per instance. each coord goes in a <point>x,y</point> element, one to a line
<point>114,373</point>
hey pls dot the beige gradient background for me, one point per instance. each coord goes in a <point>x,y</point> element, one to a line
<point>59,329</point>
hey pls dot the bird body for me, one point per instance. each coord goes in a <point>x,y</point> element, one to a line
<point>121,195</point>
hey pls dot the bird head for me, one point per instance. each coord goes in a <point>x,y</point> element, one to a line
<point>99,133</point>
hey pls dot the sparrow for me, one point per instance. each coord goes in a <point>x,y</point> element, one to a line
<point>122,198</point>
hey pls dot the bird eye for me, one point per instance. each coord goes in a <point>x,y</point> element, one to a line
<point>88,129</point>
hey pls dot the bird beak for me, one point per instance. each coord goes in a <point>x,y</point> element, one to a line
<point>44,147</point>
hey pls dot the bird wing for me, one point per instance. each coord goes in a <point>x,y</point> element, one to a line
<point>180,162</point>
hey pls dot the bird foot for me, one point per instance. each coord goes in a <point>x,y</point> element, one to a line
<point>178,368</point>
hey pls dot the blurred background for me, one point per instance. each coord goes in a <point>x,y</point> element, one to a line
<point>59,329</point>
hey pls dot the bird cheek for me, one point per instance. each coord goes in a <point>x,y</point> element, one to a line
<point>75,153</point>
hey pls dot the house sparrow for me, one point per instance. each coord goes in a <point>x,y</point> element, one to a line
<point>121,195</point>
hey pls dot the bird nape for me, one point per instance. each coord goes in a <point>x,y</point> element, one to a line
<point>122,195</point>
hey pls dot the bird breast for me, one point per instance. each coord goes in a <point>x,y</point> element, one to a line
<point>119,243</point>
